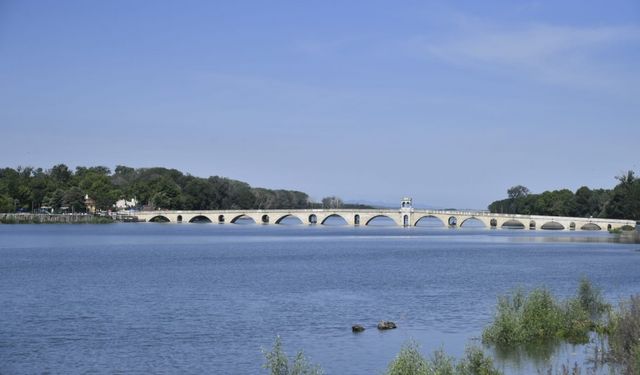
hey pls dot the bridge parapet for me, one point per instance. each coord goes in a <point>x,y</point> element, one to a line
<point>362,217</point>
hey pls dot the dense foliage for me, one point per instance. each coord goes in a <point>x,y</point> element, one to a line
<point>27,189</point>
<point>624,336</point>
<point>622,202</point>
<point>410,362</point>
<point>278,363</point>
<point>538,316</point>
<point>526,319</point>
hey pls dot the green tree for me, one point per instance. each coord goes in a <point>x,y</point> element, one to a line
<point>54,199</point>
<point>625,199</point>
<point>74,199</point>
<point>517,191</point>
<point>6,203</point>
<point>61,175</point>
<point>584,201</point>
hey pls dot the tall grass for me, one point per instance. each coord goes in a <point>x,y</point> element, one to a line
<point>278,363</point>
<point>410,362</point>
<point>624,336</point>
<point>539,316</point>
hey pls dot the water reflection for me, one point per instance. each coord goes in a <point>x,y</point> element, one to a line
<point>573,237</point>
<point>553,355</point>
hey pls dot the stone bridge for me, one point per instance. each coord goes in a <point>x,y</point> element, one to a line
<point>405,216</point>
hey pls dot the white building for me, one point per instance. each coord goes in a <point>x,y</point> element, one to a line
<point>124,204</point>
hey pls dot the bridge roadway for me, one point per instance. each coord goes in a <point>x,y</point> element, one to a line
<point>402,217</point>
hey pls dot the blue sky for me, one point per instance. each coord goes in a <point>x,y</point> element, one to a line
<point>448,102</point>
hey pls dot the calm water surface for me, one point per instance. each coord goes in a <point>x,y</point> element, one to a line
<point>163,298</point>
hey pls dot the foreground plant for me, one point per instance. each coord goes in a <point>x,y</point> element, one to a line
<point>278,363</point>
<point>624,336</point>
<point>539,316</point>
<point>410,362</point>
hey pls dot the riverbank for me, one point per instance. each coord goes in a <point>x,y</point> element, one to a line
<point>22,218</point>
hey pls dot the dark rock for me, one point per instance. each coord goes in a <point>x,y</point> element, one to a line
<point>384,324</point>
<point>357,328</point>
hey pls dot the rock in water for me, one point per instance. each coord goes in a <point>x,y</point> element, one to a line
<point>357,328</point>
<point>384,324</point>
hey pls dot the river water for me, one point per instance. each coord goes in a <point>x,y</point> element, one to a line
<point>189,298</point>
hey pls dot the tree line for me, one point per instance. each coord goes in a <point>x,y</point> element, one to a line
<point>63,189</point>
<point>621,202</point>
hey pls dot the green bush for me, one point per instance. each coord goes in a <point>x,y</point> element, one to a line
<point>624,336</point>
<point>442,364</point>
<point>576,323</point>
<point>538,316</point>
<point>507,326</point>
<point>410,362</point>
<point>475,362</point>
<point>277,362</point>
<point>591,299</point>
<point>524,318</point>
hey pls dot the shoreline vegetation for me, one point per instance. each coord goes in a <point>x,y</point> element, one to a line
<point>62,190</point>
<point>522,321</point>
<point>621,202</point>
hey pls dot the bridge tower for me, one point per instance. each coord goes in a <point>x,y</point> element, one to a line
<point>406,209</point>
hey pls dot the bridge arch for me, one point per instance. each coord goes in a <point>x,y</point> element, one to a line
<point>289,216</point>
<point>241,217</point>
<point>572,226</point>
<point>513,224</point>
<point>552,225</point>
<point>428,217</point>
<point>200,219</point>
<point>452,221</point>
<point>356,219</point>
<point>159,219</point>
<point>313,219</point>
<point>220,219</point>
<point>493,223</point>
<point>388,218</point>
<point>591,226</point>
<point>324,221</point>
<point>532,224</point>
<point>179,218</point>
<point>472,219</point>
